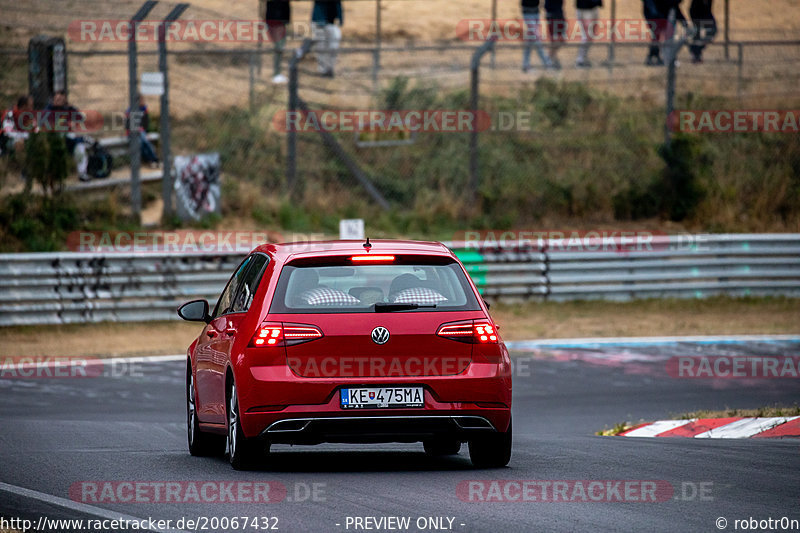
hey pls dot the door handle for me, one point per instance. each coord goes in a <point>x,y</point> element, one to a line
<point>211,333</point>
<point>230,330</point>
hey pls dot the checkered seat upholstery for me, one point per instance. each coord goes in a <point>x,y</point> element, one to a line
<point>323,296</point>
<point>419,295</point>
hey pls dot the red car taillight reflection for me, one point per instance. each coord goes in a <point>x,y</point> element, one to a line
<point>473,332</point>
<point>279,334</point>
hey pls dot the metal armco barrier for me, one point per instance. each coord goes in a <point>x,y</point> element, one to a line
<point>683,266</point>
<point>61,288</point>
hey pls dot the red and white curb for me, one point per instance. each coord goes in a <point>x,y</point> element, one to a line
<point>720,428</point>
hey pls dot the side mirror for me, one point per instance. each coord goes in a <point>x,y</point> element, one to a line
<point>488,305</point>
<point>195,311</point>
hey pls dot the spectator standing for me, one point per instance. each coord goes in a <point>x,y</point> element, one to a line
<point>657,14</point>
<point>532,34</point>
<point>705,28</point>
<point>588,13</point>
<point>148,151</point>
<point>76,144</point>
<point>556,28</point>
<point>279,13</point>
<point>324,17</point>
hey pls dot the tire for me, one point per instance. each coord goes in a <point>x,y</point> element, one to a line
<point>441,446</point>
<point>243,453</point>
<point>201,444</point>
<point>491,451</point>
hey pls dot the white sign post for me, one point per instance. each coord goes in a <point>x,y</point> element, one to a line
<point>152,84</point>
<point>351,229</point>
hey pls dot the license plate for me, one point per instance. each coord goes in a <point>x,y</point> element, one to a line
<point>381,397</point>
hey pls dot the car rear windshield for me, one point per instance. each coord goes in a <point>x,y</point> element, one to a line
<point>402,285</point>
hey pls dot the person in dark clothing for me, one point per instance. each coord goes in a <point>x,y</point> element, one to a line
<point>279,13</point>
<point>63,121</point>
<point>148,151</point>
<point>556,28</point>
<point>657,14</point>
<point>324,17</point>
<point>705,28</point>
<point>588,13</point>
<point>532,34</point>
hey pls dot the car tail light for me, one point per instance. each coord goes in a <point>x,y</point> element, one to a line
<point>268,335</point>
<point>485,333</point>
<point>278,334</point>
<point>462,332</point>
<point>480,332</point>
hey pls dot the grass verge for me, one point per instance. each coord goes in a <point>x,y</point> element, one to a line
<point>614,431</point>
<point>105,339</point>
<point>767,411</point>
<point>714,316</point>
<point>711,316</point>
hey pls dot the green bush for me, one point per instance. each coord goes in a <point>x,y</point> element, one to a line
<point>36,223</point>
<point>46,161</point>
<point>677,191</point>
<point>686,165</point>
<point>588,157</point>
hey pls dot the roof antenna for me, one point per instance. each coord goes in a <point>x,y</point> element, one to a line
<point>367,245</point>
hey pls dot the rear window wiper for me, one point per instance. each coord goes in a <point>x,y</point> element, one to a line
<point>384,307</point>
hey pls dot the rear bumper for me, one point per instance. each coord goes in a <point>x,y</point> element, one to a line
<point>373,429</point>
<point>280,406</point>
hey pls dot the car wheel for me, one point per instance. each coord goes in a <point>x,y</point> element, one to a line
<point>200,443</point>
<point>491,451</point>
<point>441,446</point>
<point>242,452</point>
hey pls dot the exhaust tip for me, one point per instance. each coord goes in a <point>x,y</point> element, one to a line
<point>472,422</point>
<point>285,426</point>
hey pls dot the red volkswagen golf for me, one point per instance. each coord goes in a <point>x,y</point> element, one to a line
<point>349,342</point>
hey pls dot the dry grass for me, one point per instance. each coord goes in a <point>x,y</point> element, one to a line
<point>209,81</point>
<point>768,411</point>
<point>518,322</point>
<point>614,431</point>
<point>427,20</point>
<point>714,316</point>
<point>106,339</point>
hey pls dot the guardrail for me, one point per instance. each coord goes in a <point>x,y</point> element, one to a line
<point>63,288</point>
<point>60,288</point>
<point>665,267</point>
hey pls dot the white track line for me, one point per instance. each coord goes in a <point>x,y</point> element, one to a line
<point>652,340</point>
<point>745,428</point>
<point>146,358</point>
<point>74,506</point>
<point>651,430</point>
<point>48,361</point>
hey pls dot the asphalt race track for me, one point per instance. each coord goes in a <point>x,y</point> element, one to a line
<point>57,433</point>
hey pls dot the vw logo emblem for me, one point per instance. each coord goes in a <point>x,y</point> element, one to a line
<point>380,335</point>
